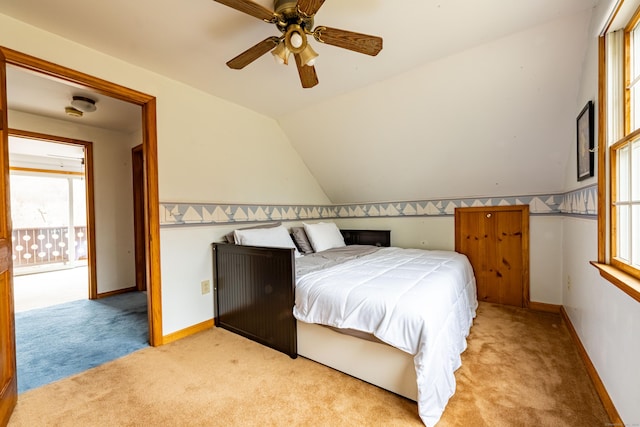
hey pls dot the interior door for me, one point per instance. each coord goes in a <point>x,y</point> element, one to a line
<point>8,379</point>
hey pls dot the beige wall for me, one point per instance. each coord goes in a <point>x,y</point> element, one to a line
<point>490,121</point>
<point>606,319</point>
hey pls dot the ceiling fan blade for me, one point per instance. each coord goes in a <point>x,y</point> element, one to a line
<point>253,53</point>
<point>362,43</point>
<point>250,8</point>
<point>309,7</point>
<point>308,76</point>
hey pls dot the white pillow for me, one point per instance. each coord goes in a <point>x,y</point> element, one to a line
<point>276,237</point>
<point>324,235</point>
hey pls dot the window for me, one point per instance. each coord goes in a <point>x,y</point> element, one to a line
<point>625,205</point>
<point>622,147</point>
<point>48,213</point>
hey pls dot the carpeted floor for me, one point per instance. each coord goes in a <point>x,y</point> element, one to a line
<point>520,369</point>
<point>64,339</point>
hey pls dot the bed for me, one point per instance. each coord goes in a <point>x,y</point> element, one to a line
<point>397,318</point>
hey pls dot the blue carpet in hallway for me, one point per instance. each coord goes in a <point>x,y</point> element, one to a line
<point>62,340</point>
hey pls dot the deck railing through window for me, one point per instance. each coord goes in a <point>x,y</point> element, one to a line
<point>47,245</point>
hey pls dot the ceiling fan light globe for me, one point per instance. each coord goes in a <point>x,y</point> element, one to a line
<point>281,54</point>
<point>296,40</point>
<point>308,56</point>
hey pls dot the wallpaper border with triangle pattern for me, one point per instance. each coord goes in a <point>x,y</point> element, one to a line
<point>581,202</point>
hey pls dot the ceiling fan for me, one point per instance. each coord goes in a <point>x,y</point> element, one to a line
<point>294,19</point>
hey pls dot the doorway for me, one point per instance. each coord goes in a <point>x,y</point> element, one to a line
<point>49,210</point>
<point>150,171</point>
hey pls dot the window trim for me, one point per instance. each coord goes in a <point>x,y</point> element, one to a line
<point>602,136</point>
<point>611,270</point>
<point>625,282</point>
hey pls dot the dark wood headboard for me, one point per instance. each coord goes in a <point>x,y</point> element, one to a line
<point>367,237</point>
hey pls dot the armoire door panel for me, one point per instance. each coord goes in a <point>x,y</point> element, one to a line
<point>509,256</point>
<point>493,238</point>
<point>482,255</point>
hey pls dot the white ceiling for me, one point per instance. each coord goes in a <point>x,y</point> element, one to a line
<point>467,97</point>
<point>38,94</point>
<point>190,41</point>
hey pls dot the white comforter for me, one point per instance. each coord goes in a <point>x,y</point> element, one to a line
<point>422,302</point>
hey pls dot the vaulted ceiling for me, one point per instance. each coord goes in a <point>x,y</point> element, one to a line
<point>467,97</point>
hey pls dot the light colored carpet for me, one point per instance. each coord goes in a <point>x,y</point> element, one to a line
<point>521,369</point>
<point>39,290</point>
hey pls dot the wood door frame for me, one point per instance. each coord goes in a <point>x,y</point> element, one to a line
<point>150,150</point>
<point>8,374</point>
<point>524,211</point>
<point>90,204</point>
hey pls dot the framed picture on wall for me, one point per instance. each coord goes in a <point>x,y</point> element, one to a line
<point>584,125</point>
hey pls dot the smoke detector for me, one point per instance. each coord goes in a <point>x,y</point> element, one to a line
<point>84,104</point>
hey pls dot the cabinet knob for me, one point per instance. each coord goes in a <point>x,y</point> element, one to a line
<point>488,215</point>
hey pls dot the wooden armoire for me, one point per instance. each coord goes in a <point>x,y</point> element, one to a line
<point>496,241</point>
